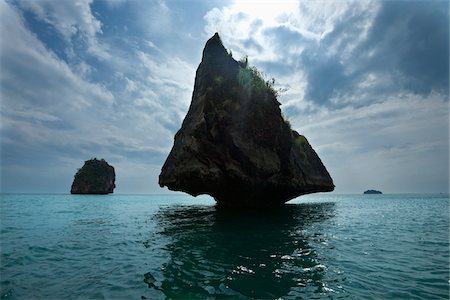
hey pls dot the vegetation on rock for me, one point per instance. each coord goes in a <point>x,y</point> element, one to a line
<point>253,80</point>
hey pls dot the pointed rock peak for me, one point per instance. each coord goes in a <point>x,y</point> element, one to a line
<point>216,38</point>
<point>235,145</point>
<point>214,47</point>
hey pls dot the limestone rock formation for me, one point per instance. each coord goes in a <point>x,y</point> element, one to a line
<point>95,177</point>
<point>234,143</point>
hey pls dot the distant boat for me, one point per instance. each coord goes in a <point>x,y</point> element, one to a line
<point>372,192</point>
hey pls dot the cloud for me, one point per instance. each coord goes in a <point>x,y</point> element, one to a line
<point>363,83</point>
<point>412,39</point>
<point>291,40</point>
<point>406,43</point>
<point>73,20</point>
<point>391,143</point>
<point>126,109</point>
<point>338,46</point>
<point>47,110</point>
<point>325,76</point>
<point>115,4</point>
<point>34,77</point>
<point>114,80</point>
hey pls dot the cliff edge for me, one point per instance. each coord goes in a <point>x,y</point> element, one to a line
<point>234,143</point>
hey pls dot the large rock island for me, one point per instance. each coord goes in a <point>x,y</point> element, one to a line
<point>95,177</point>
<point>234,143</point>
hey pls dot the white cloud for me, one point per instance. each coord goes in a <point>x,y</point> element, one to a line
<point>128,108</point>
<point>36,115</point>
<point>313,20</point>
<point>284,31</point>
<point>43,100</point>
<point>71,18</point>
<point>171,76</point>
<point>115,3</point>
<point>365,127</point>
<point>154,17</point>
<point>44,79</point>
<point>402,139</point>
<point>47,104</point>
<point>68,17</point>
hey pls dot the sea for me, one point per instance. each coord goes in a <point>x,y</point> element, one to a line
<point>321,246</point>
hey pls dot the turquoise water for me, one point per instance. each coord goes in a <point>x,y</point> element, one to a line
<point>157,247</point>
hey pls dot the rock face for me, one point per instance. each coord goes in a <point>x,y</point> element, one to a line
<point>95,177</point>
<point>234,143</point>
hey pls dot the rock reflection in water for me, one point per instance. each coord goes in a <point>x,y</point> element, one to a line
<point>259,254</point>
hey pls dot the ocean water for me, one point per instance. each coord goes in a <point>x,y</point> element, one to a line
<point>158,247</point>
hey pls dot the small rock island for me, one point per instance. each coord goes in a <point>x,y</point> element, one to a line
<point>95,177</point>
<point>368,192</point>
<point>234,143</point>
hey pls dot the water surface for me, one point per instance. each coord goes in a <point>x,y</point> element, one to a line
<point>157,247</point>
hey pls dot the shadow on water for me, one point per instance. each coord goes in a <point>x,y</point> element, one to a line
<point>224,254</point>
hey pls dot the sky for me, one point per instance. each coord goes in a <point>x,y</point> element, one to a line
<point>367,82</point>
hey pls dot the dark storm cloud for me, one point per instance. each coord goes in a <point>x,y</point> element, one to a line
<point>413,38</point>
<point>408,42</point>
<point>325,77</point>
<point>275,69</point>
<point>252,44</point>
<point>285,40</point>
<point>283,36</point>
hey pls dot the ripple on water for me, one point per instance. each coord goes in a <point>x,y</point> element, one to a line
<point>262,255</point>
<point>150,247</point>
